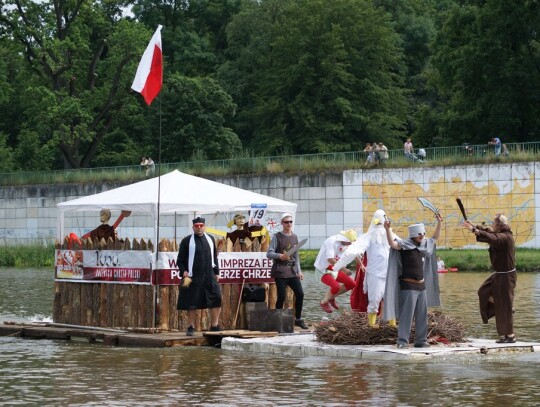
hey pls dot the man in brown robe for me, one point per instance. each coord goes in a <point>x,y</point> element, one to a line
<point>496,294</point>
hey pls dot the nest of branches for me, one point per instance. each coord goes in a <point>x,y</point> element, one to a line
<point>351,328</point>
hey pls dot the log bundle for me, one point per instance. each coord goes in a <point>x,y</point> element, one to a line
<point>104,305</point>
<point>109,244</point>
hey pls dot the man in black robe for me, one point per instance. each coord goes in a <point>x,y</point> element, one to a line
<point>198,261</point>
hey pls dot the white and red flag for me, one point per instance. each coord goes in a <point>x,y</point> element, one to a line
<point>149,76</point>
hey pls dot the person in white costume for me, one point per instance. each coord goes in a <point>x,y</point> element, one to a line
<point>375,244</point>
<point>337,279</point>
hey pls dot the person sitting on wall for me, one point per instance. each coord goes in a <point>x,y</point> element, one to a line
<point>144,164</point>
<point>496,143</point>
<point>421,155</point>
<point>150,167</point>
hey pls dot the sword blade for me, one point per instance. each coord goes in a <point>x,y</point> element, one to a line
<point>428,205</point>
<point>296,247</point>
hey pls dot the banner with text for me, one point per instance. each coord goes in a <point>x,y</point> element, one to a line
<point>234,267</point>
<point>111,266</point>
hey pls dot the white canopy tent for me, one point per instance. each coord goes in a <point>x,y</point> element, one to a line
<point>179,193</point>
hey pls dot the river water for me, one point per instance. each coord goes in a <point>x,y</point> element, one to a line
<point>76,373</point>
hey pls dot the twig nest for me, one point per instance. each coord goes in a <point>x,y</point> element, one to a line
<point>351,328</point>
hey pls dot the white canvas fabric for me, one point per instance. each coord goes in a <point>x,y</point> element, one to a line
<point>178,193</point>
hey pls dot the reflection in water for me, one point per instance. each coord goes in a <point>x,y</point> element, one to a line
<point>77,373</point>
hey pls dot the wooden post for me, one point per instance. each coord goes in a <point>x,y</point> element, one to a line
<point>238,306</point>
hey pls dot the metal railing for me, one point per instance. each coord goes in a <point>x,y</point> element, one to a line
<point>338,161</point>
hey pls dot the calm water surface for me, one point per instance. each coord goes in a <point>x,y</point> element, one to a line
<point>45,372</point>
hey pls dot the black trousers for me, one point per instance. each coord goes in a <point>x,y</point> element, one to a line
<point>296,286</point>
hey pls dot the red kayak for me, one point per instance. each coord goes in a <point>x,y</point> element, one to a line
<point>452,269</point>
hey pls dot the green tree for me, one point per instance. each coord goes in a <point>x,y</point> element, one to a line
<point>80,57</point>
<point>195,111</point>
<point>414,21</point>
<point>194,31</point>
<point>35,155</point>
<point>7,163</point>
<point>248,55</point>
<point>325,75</point>
<point>486,69</point>
<point>12,77</point>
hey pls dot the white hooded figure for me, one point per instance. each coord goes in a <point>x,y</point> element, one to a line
<point>336,279</point>
<point>375,244</point>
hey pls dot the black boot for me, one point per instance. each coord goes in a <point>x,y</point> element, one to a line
<point>300,323</point>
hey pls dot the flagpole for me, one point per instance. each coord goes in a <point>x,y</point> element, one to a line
<point>156,299</point>
<point>159,178</point>
<point>148,82</point>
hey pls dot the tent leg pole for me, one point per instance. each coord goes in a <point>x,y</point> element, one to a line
<point>154,313</point>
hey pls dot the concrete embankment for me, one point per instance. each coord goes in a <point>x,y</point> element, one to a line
<point>327,203</point>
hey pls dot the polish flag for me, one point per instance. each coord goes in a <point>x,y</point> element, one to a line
<point>149,76</point>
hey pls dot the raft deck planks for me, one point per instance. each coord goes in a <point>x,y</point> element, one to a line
<point>125,338</point>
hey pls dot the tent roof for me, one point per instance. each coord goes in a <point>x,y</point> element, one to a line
<point>179,193</point>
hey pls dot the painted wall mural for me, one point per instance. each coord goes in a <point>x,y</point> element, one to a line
<point>484,190</point>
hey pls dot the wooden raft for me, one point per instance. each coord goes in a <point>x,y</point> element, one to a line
<point>132,305</point>
<point>123,338</point>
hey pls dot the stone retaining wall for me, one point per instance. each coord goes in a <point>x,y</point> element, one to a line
<point>327,203</point>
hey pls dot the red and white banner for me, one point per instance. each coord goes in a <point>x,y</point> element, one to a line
<point>166,272</point>
<point>115,266</point>
<point>251,267</point>
<point>149,76</point>
<point>118,266</point>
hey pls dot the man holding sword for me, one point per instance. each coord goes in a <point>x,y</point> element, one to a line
<point>286,271</point>
<point>412,283</point>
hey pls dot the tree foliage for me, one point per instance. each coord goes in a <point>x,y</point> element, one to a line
<point>76,53</point>
<point>195,113</point>
<point>316,76</point>
<point>486,68</point>
<point>263,76</point>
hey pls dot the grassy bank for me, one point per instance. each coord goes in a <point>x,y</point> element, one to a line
<point>464,260</point>
<point>27,256</point>
<point>246,163</point>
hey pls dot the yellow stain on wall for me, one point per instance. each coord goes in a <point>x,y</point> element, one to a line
<point>514,198</point>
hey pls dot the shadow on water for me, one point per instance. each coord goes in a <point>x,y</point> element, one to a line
<point>77,373</point>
